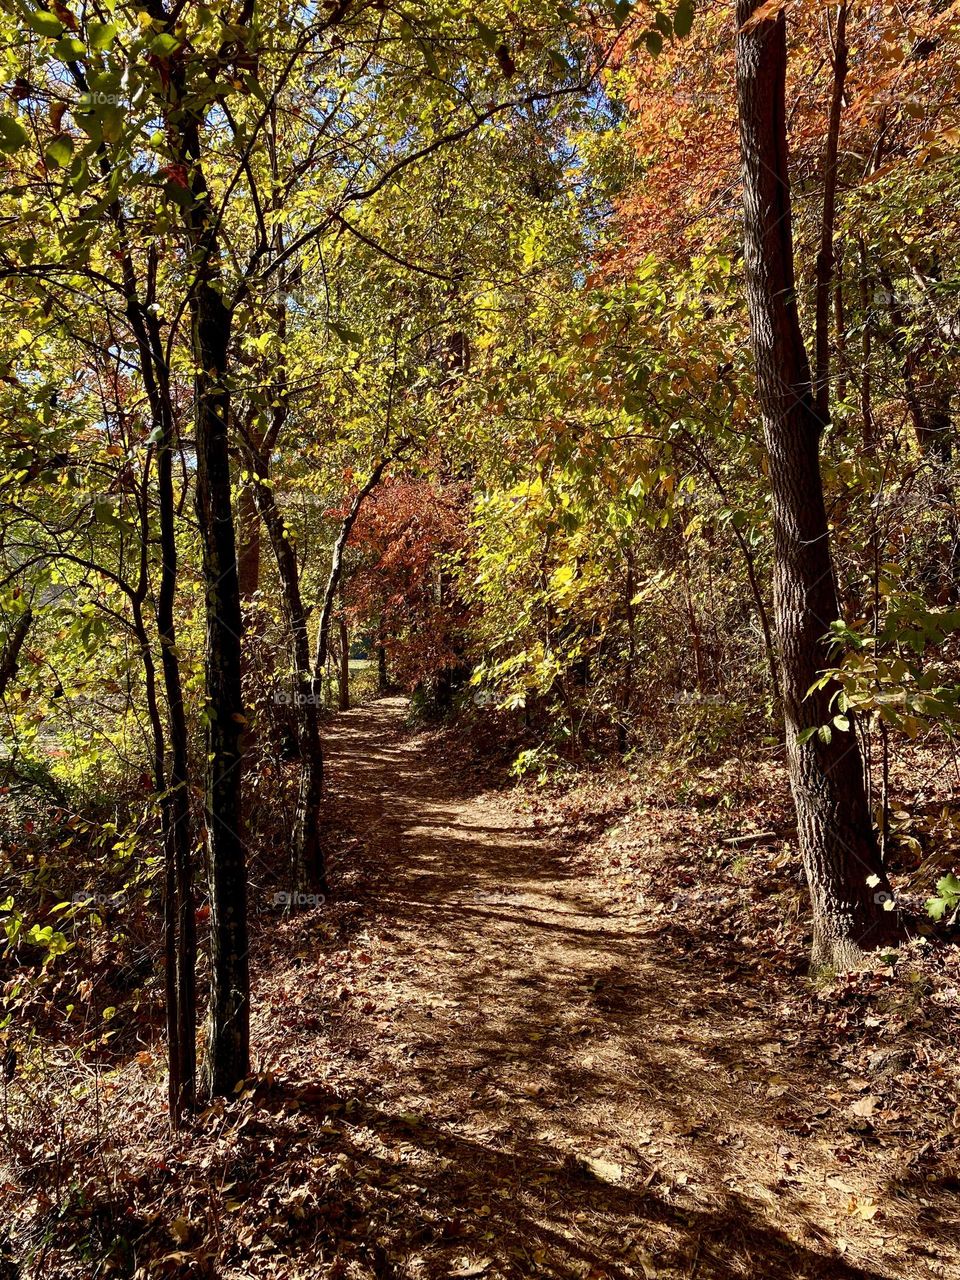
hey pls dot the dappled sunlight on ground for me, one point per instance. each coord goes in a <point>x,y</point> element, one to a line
<point>538,1086</point>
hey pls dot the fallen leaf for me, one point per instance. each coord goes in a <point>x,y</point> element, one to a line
<point>180,1230</point>
<point>471,1268</point>
<point>865,1106</point>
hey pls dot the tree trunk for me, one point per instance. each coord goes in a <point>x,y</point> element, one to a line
<point>175,1080</point>
<point>180,923</point>
<point>344,681</point>
<point>837,840</point>
<point>228,1035</point>
<point>248,531</point>
<point>825,258</point>
<point>228,1028</point>
<point>866,384</point>
<point>308,872</point>
<point>181,835</point>
<point>336,572</point>
<point>928,393</point>
<point>11,649</point>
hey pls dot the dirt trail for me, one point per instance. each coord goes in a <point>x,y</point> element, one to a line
<point>534,1091</point>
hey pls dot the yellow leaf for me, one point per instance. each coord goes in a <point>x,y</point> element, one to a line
<point>180,1230</point>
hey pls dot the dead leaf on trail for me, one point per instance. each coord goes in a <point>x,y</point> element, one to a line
<point>865,1106</point>
<point>180,1230</point>
<point>468,1269</point>
<point>605,1170</point>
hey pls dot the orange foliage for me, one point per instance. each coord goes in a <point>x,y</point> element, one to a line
<point>904,69</point>
<point>406,536</point>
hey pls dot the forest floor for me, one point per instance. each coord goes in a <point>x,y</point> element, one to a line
<point>550,1072</point>
<point>555,1037</point>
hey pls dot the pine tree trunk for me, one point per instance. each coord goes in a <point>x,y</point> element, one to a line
<point>837,841</point>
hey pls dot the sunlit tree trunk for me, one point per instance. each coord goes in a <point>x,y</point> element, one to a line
<point>837,841</point>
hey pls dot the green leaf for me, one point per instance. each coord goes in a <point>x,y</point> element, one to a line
<point>683,19</point>
<point>487,35</point>
<point>111,123</point>
<point>654,42</point>
<point>430,59</point>
<point>80,176</point>
<point>345,334</point>
<point>948,886</point>
<point>59,152</point>
<point>164,45</point>
<point>101,35</point>
<point>13,135</point>
<point>69,49</point>
<point>947,899</point>
<point>45,23</point>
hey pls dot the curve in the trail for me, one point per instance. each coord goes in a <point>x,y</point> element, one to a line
<point>537,1090</point>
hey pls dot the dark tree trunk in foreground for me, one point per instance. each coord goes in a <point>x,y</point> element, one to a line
<point>228,1036</point>
<point>228,1032</point>
<point>178,833</point>
<point>837,840</point>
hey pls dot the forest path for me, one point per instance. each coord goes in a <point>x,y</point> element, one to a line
<point>535,1090</point>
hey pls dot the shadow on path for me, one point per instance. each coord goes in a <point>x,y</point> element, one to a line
<point>525,1085</point>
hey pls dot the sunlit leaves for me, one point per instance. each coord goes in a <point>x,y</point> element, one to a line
<point>45,23</point>
<point>947,897</point>
<point>60,151</point>
<point>100,35</point>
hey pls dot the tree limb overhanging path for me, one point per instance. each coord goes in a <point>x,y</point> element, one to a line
<point>525,1085</point>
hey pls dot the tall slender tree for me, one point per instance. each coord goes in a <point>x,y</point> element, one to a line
<point>848,885</point>
<point>228,1031</point>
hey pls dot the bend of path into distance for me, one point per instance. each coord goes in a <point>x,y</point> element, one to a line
<point>552,1091</point>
